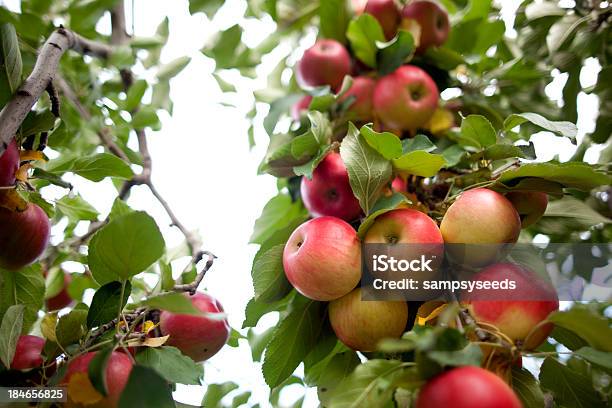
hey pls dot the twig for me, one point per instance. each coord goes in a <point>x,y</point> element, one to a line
<point>45,68</point>
<point>193,286</point>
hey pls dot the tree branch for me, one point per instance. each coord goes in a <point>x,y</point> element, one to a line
<point>15,111</point>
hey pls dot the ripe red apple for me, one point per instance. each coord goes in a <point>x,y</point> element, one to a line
<point>406,99</point>
<point>387,13</point>
<point>325,63</point>
<point>404,226</point>
<point>199,337</point>
<point>361,91</point>
<point>62,299</point>
<point>23,236</point>
<point>329,192</point>
<point>530,205</point>
<point>9,164</point>
<point>514,312</point>
<point>433,22</point>
<point>361,324</point>
<point>28,353</point>
<point>399,184</point>
<point>300,106</point>
<point>117,373</point>
<point>467,387</point>
<point>322,258</point>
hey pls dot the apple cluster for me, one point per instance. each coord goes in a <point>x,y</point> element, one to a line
<point>404,100</point>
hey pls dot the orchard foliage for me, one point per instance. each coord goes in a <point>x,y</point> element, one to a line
<point>494,81</point>
<point>94,124</point>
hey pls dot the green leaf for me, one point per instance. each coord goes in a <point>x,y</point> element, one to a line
<point>255,310</point>
<point>570,388</point>
<point>135,94</point>
<point>567,129</point>
<point>119,208</point>
<point>470,355</point>
<point>107,302</point>
<point>382,206</point>
<point>24,287</point>
<point>216,392</point>
<point>258,342</point>
<point>97,370</point>
<point>419,142</point>
<point>371,384</point>
<point>587,324</point>
<point>102,165</point>
<point>395,53</point>
<point>293,339</point>
<point>477,131</point>
<point>38,121</point>
<point>527,388</point>
<point>125,247</point>
<point>600,358</point>
<point>363,33</point>
<point>576,175</point>
<point>173,68</point>
<point>141,378</point>
<point>335,370</point>
<point>146,117</point>
<point>10,330</point>
<point>277,214</point>
<point>504,151</point>
<point>269,280</point>
<point>172,302</point>
<point>334,17</point>
<point>10,62</point>
<point>419,163</point>
<point>241,399</point>
<point>368,171</point>
<point>171,364</point>
<point>224,85</point>
<point>76,208</point>
<point>308,168</point>
<point>569,207</point>
<point>386,143</point>
<point>72,327</point>
<point>208,7</point>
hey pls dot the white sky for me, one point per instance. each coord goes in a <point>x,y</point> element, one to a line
<point>203,166</point>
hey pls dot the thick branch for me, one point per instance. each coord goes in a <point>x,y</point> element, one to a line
<point>15,111</point>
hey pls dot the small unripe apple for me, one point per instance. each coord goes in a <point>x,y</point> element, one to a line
<point>9,164</point>
<point>406,99</point>
<point>433,22</point>
<point>23,236</point>
<point>62,299</point>
<point>325,63</point>
<point>530,205</point>
<point>361,92</point>
<point>467,387</point>
<point>514,312</point>
<point>199,337</point>
<point>300,106</point>
<point>322,258</point>
<point>361,324</point>
<point>28,353</point>
<point>329,192</point>
<point>387,13</point>
<point>117,372</point>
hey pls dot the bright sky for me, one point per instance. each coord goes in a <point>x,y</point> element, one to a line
<point>203,166</point>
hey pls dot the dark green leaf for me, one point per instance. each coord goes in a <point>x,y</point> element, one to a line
<point>570,388</point>
<point>171,364</point>
<point>71,327</point>
<point>592,327</point>
<point>269,278</point>
<point>24,287</point>
<point>216,392</point>
<point>10,330</point>
<point>576,175</point>
<point>600,358</point>
<point>383,205</point>
<point>97,370</point>
<point>395,53</point>
<point>10,61</point>
<point>527,388</point>
<point>566,129</point>
<point>141,378</point>
<point>107,302</point>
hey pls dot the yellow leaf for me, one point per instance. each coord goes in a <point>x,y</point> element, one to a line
<point>148,326</point>
<point>429,311</point>
<point>11,200</point>
<point>22,173</point>
<point>148,342</point>
<point>442,120</point>
<point>47,326</point>
<point>81,391</point>
<point>31,155</point>
<point>413,27</point>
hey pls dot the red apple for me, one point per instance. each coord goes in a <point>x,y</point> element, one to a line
<point>404,226</point>
<point>329,192</point>
<point>433,22</point>
<point>325,63</point>
<point>300,106</point>
<point>28,353</point>
<point>514,312</point>
<point>117,373</point>
<point>361,92</point>
<point>23,236</point>
<point>9,164</point>
<point>530,205</point>
<point>361,324</point>
<point>387,13</point>
<point>199,337</point>
<point>62,299</point>
<point>399,184</point>
<point>405,99</point>
<point>322,258</point>
<point>467,387</point>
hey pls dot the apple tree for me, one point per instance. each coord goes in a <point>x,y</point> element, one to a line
<point>414,122</point>
<point>73,111</point>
